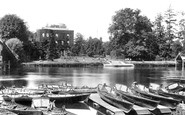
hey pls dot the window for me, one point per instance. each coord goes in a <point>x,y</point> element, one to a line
<point>47,34</point>
<point>43,35</point>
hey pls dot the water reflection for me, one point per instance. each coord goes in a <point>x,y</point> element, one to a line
<point>32,77</point>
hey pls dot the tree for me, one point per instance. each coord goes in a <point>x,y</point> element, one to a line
<point>52,50</point>
<point>79,45</point>
<point>11,26</point>
<point>130,32</point>
<point>94,47</point>
<point>17,48</point>
<point>170,34</point>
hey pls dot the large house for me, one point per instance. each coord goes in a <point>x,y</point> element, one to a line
<point>62,36</point>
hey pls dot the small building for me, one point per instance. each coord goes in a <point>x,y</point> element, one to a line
<point>180,59</point>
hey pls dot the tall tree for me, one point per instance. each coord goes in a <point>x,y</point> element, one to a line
<point>170,34</point>
<point>52,50</point>
<point>11,26</point>
<point>79,45</point>
<point>130,32</point>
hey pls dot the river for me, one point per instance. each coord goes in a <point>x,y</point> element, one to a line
<point>33,76</point>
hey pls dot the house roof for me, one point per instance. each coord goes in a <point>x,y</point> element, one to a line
<point>182,56</point>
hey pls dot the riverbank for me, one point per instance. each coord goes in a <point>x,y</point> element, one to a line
<point>98,62</point>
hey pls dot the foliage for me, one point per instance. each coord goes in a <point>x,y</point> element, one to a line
<point>52,50</point>
<point>32,51</point>
<point>17,48</point>
<point>79,45</point>
<point>131,32</point>
<point>11,26</point>
<point>94,47</point>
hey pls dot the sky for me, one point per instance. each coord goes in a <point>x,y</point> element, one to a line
<point>88,17</point>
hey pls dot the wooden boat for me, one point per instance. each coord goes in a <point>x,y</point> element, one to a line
<point>55,89</point>
<point>175,87</point>
<point>107,94</point>
<point>156,88</point>
<point>47,107</point>
<point>13,90</point>
<point>66,88</point>
<point>79,90</point>
<point>117,64</point>
<point>20,109</point>
<point>127,94</point>
<point>68,98</point>
<point>143,91</point>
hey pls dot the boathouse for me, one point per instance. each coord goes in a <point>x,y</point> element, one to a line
<point>180,59</point>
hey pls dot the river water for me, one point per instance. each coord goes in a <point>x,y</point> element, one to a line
<point>33,76</point>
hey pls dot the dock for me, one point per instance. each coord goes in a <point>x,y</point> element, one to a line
<point>101,106</point>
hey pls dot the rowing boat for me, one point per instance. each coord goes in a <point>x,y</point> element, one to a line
<point>20,109</point>
<point>107,94</point>
<point>48,108</point>
<point>127,94</point>
<point>156,88</point>
<point>144,91</point>
<point>67,98</point>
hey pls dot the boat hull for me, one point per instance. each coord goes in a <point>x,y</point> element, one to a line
<point>136,99</point>
<point>66,98</point>
<point>114,100</point>
<point>169,102</point>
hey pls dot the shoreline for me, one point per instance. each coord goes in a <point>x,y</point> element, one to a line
<point>95,62</point>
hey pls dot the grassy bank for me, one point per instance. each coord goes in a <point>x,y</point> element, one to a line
<point>87,62</point>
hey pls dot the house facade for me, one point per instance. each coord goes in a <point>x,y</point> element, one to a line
<point>61,35</point>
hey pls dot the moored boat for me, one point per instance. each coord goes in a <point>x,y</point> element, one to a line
<point>144,91</point>
<point>156,88</point>
<point>107,94</point>
<point>67,98</point>
<point>175,87</point>
<point>20,109</point>
<point>13,90</point>
<point>127,94</point>
<point>117,64</point>
<point>83,89</point>
<point>48,108</point>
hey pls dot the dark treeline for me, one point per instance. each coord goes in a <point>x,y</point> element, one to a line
<point>132,36</point>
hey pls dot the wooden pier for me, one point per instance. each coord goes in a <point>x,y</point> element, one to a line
<point>101,106</point>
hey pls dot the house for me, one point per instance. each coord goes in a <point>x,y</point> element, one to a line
<point>180,59</point>
<point>62,36</point>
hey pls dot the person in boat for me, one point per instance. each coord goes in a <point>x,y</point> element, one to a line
<point>51,106</point>
<point>134,84</point>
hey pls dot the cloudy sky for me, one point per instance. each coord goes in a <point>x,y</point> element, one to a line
<point>88,17</point>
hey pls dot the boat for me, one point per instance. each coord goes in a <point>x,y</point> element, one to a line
<point>67,98</point>
<point>47,107</point>
<point>107,94</point>
<point>14,90</point>
<point>55,88</point>
<point>156,88</point>
<point>117,64</point>
<point>144,91</point>
<point>20,109</point>
<point>83,89</point>
<point>175,87</point>
<point>66,88</point>
<point>127,94</point>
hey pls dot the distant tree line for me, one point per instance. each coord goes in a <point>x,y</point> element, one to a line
<point>132,36</point>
